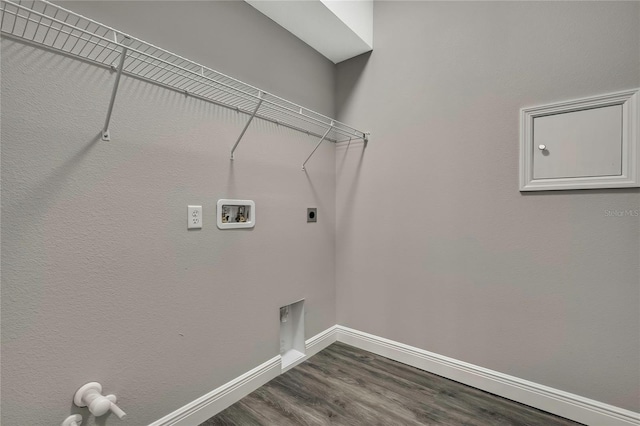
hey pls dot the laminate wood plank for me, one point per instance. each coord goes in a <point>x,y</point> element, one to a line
<point>342,385</point>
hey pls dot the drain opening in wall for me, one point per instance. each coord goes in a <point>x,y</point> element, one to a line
<point>292,347</point>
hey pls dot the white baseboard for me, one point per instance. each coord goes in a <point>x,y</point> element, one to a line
<point>321,341</point>
<point>218,399</point>
<point>554,401</point>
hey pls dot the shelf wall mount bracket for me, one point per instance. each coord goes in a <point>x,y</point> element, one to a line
<point>246,126</point>
<point>105,135</point>
<point>318,145</point>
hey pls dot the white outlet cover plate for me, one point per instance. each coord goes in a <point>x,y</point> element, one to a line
<point>251,220</point>
<point>194,217</point>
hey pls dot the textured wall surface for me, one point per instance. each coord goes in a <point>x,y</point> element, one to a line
<point>102,281</point>
<point>229,36</point>
<point>100,278</point>
<point>543,286</point>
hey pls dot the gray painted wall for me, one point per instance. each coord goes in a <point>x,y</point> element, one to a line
<point>542,286</point>
<point>100,278</point>
<point>229,36</point>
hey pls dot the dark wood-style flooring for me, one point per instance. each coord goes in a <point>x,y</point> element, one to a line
<point>342,385</point>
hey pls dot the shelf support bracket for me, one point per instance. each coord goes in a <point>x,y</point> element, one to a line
<point>318,145</point>
<point>246,126</point>
<point>123,55</point>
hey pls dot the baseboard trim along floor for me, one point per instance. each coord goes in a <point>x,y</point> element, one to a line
<point>548,399</point>
<point>564,404</point>
<point>218,399</point>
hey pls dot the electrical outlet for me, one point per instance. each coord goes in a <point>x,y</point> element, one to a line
<point>194,217</point>
<point>312,214</point>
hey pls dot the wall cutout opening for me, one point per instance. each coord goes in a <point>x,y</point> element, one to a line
<point>292,347</point>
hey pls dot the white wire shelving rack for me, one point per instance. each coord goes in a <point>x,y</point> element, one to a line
<point>61,30</point>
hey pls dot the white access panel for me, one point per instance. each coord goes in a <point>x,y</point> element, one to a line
<point>578,144</point>
<point>584,143</point>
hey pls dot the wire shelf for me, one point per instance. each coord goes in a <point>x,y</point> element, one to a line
<point>47,24</point>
